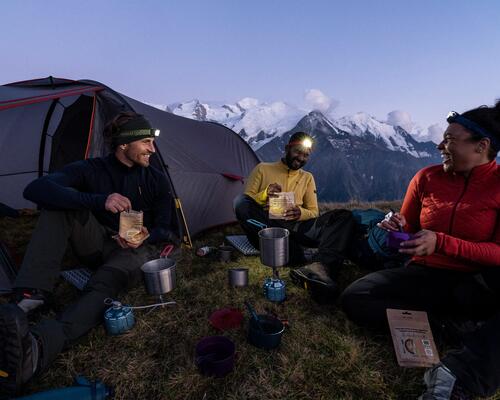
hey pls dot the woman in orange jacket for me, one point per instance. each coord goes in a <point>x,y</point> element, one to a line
<point>453,212</point>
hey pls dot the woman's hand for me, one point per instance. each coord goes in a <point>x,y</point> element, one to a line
<point>393,222</point>
<point>422,244</point>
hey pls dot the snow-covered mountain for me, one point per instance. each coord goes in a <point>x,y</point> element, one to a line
<point>253,120</point>
<point>259,123</point>
<point>356,157</point>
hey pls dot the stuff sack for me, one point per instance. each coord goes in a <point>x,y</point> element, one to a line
<point>369,247</point>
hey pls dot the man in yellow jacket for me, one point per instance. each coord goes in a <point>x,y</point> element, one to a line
<point>330,232</point>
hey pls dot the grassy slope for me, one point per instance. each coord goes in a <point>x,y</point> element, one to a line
<point>322,356</point>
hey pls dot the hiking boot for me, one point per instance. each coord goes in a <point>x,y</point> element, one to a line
<point>18,350</point>
<point>28,299</point>
<point>316,280</point>
<point>442,385</point>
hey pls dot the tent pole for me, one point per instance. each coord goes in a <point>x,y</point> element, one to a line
<point>186,235</point>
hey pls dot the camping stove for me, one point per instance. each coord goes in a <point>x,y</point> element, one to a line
<point>118,318</point>
<point>274,289</point>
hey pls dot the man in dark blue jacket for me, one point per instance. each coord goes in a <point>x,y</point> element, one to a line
<point>81,205</point>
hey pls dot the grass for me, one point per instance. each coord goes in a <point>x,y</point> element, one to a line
<point>322,356</point>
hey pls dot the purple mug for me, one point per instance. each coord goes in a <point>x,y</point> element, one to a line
<point>394,239</point>
<point>215,356</point>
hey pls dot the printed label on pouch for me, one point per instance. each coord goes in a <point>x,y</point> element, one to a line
<point>131,226</point>
<point>412,338</point>
<point>280,203</point>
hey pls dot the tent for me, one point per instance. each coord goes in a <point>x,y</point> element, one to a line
<point>47,123</point>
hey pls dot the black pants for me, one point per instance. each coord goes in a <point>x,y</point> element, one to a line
<point>330,232</point>
<point>446,296</point>
<point>116,269</point>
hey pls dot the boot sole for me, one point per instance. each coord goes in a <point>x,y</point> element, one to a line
<point>320,292</point>
<point>13,328</point>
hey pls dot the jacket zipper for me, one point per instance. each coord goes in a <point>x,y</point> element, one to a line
<point>456,204</point>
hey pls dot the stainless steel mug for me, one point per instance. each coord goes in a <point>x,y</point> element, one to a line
<point>225,253</point>
<point>238,277</point>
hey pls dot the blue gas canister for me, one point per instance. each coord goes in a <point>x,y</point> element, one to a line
<point>118,318</point>
<point>274,290</point>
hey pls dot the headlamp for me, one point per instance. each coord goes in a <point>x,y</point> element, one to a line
<point>306,143</point>
<point>140,132</point>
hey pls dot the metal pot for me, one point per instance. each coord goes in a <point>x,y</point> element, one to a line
<point>274,246</point>
<point>159,274</point>
<point>268,335</point>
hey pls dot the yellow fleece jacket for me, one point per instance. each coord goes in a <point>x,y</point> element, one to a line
<point>298,181</point>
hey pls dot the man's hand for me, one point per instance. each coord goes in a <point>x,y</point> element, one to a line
<point>392,222</point>
<point>423,244</point>
<point>124,244</point>
<point>117,203</point>
<point>292,214</point>
<point>273,188</point>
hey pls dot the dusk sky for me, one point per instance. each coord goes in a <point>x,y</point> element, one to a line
<point>423,57</point>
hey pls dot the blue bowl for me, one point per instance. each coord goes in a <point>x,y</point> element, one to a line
<point>270,336</point>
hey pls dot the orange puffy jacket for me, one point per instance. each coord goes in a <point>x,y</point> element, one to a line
<point>464,213</point>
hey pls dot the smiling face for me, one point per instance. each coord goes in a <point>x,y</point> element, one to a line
<point>296,156</point>
<point>458,151</point>
<point>137,152</point>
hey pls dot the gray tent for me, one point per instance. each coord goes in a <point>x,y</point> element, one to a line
<point>47,123</point>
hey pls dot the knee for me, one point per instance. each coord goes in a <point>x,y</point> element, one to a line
<point>352,300</point>
<point>241,205</point>
<point>109,281</point>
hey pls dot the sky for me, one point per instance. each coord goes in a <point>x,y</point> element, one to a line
<point>407,62</point>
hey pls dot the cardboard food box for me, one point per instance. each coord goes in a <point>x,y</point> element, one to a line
<point>412,338</point>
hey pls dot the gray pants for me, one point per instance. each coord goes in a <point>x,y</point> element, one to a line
<point>116,270</point>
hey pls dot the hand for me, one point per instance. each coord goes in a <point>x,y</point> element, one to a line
<point>423,244</point>
<point>124,244</point>
<point>273,188</point>
<point>292,213</point>
<point>117,203</point>
<point>393,222</point>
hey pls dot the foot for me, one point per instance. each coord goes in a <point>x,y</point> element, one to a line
<point>316,279</point>
<point>442,385</point>
<point>18,350</point>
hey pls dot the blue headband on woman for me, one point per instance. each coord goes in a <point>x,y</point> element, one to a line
<point>455,117</point>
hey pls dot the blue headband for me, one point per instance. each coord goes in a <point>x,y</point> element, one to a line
<point>455,117</point>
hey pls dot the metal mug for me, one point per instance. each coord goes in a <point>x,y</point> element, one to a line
<point>274,246</point>
<point>238,277</point>
<point>225,253</point>
<point>159,274</point>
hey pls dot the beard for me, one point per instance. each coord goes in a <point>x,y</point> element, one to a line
<point>293,162</point>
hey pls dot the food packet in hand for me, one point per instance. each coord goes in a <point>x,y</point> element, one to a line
<point>280,203</point>
<point>131,226</point>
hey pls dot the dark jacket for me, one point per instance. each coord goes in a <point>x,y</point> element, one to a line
<point>86,185</point>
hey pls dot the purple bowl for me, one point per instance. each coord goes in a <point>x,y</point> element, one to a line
<point>215,356</point>
<point>394,239</point>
